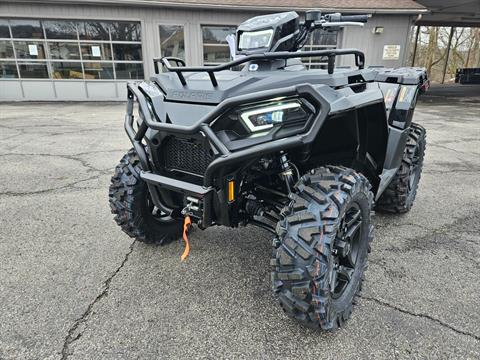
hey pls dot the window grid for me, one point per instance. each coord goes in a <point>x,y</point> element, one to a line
<point>49,61</point>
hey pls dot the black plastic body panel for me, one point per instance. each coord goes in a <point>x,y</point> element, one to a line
<point>400,102</point>
<point>397,139</point>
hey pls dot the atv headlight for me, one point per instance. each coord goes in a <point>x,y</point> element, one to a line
<point>255,39</point>
<point>266,117</point>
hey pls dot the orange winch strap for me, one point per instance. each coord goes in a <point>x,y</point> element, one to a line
<point>186,225</point>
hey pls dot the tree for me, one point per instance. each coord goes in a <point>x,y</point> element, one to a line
<point>433,45</point>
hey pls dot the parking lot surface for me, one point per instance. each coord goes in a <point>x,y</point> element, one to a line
<point>72,285</point>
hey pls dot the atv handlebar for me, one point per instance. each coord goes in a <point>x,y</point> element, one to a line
<point>315,20</point>
<point>337,17</point>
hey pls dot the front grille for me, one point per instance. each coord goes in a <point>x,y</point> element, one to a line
<point>187,155</point>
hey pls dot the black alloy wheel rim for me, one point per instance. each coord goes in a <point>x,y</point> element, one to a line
<point>346,250</point>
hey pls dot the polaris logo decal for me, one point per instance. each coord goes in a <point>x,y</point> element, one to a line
<point>191,95</point>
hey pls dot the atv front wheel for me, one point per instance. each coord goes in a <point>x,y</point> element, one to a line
<point>134,210</point>
<point>321,246</point>
<point>400,193</point>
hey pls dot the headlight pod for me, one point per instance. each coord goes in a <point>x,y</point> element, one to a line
<point>265,120</point>
<point>255,39</point>
<point>265,117</point>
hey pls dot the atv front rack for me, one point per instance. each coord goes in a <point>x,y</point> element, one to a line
<point>211,70</point>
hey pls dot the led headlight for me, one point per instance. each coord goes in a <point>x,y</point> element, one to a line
<point>264,118</point>
<point>255,39</point>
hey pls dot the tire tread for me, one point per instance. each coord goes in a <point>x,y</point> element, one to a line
<point>300,275</point>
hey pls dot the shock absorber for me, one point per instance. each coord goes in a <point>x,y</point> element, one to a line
<point>287,172</point>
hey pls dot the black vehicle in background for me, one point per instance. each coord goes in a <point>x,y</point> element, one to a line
<point>467,76</point>
<point>304,154</point>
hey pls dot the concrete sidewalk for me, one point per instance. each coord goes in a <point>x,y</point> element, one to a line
<point>72,285</point>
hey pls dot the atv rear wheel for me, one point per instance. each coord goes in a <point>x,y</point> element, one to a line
<point>400,193</point>
<point>134,210</point>
<point>321,246</point>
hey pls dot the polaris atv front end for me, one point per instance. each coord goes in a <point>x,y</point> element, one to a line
<point>304,154</point>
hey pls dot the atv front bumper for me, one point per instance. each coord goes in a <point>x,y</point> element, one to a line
<point>209,192</point>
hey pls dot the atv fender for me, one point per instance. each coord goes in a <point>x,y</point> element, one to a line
<point>397,139</point>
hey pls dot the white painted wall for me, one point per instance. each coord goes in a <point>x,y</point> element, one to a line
<point>396,32</point>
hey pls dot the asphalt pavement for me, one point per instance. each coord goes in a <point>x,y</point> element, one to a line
<point>72,285</point>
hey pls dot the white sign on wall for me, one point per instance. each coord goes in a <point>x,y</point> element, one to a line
<point>391,52</point>
<point>32,49</point>
<point>96,51</point>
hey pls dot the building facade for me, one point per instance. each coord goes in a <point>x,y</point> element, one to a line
<point>88,50</point>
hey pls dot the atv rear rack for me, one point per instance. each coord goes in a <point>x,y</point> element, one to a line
<point>211,70</point>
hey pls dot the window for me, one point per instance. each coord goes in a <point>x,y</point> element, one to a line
<point>8,70</point>
<point>67,70</point>
<point>319,40</point>
<point>65,30</point>
<point>33,70</point>
<point>129,71</point>
<point>127,52</point>
<point>98,70</point>
<point>100,51</point>
<point>172,41</point>
<point>215,46</point>
<point>4,31</point>
<point>6,49</point>
<point>64,51</point>
<point>93,30</point>
<point>125,31</point>
<point>26,29</point>
<point>70,49</point>
<point>29,49</point>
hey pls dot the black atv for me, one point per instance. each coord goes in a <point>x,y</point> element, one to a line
<point>304,154</point>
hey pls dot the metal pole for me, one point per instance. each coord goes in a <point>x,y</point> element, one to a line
<point>415,46</point>
<point>452,29</point>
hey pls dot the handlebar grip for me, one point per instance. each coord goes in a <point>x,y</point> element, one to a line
<point>355,18</point>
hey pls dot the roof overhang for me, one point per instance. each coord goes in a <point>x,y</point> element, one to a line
<point>459,13</point>
<point>226,6</point>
